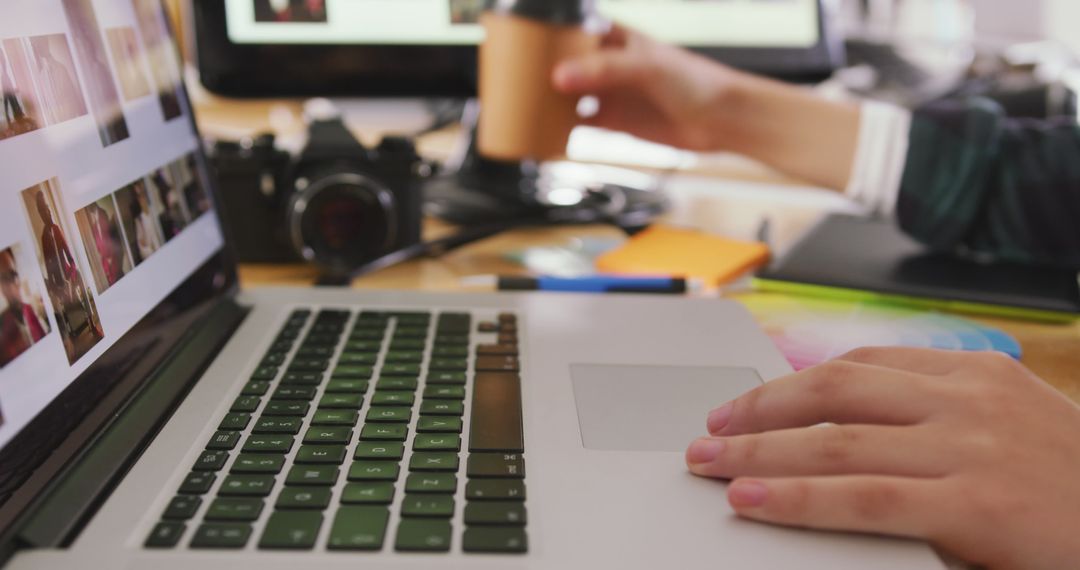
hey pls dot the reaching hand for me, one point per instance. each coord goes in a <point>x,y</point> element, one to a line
<point>651,90</point>
<point>971,452</point>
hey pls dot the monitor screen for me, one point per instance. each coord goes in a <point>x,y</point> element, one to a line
<point>103,211</point>
<point>696,23</point>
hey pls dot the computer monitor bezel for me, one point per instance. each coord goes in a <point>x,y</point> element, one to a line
<point>309,70</point>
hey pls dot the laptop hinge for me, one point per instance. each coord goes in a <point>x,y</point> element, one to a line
<point>76,495</point>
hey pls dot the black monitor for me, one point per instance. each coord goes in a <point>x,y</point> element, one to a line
<point>427,48</point>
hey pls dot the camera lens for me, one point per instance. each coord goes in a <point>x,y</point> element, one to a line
<point>343,221</point>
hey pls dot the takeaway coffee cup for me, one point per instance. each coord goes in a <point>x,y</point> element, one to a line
<point>522,117</point>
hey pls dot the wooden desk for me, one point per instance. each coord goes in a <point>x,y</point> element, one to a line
<point>1052,351</point>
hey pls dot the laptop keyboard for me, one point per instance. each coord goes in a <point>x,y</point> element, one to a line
<point>351,417</point>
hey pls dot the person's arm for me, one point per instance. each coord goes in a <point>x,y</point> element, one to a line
<point>675,97</point>
<point>977,180</point>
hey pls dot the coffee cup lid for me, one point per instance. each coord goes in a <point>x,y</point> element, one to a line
<point>555,11</point>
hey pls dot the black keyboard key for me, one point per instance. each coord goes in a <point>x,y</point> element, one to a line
<point>273,360</point>
<point>328,435</point>
<point>497,350</point>
<point>256,388</point>
<point>304,498</point>
<point>428,506</point>
<point>374,470</point>
<point>451,340</point>
<point>247,486</point>
<point>246,404</point>
<point>225,509</point>
<point>449,364</point>
<point>321,454</point>
<point>302,378</point>
<point>325,417</point>
<point>436,392</point>
<point>353,373</point>
<point>359,528</point>
<point>294,530</point>
<point>410,332</point>
<point>315,352</point>
<point>385,450</point>
<point>280,444</point>
<point>286,408</point>
<point>277,425</point>
<point>495,490</point>
<point>341,401</point>
<point>265,373</point>
<point>224,441</point>
<point>433,461</point>
<point>442,483</point>
<point>221,535</point>
<point>347,387</point>
<point>309,365</point>
<point>165,535</point>
<point>358,359</point>
<point>313,475</point>
<point>450,352</point>
<point>384,432</point>
<point>496,413</point>
<point>258,464</point>
<point>412,370</point>
<point>437,442</point>
<point>211,461</point>
<point>405,357</point>
<point>497,364</point>
<point>444,408</point>
<point>495,513</point>
<point>374,334</point>
<point>423,535</point>
<point>235,422</point>
<point>438,424</point>
<point>496,465</point>
<point>495,540</point>
<point>390,398</point>
<point>182,508</point>
<point>393,415</point>
<point>368,346</point>
<point>406,344</point>
<point>303,393</point>
<point>444,377</point>
<point>368,493</point>
<point>392,383</point>
<point>197,483</point>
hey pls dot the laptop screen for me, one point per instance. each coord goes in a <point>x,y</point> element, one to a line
<point>103,208</point>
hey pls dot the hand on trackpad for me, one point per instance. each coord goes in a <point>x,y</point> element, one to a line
<point>651,408</point>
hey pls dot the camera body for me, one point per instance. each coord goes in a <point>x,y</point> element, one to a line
<point>338,204</point>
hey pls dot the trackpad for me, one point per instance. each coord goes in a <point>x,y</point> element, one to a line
<point>651,408</point>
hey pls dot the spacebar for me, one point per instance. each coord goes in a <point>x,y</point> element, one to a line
<point>496,413</point>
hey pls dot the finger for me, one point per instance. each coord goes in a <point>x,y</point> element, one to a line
<point>600,71</point>
<point>918,360</point>
<point>818,451</point>
<point>869,504</point>
<point>839,392</point>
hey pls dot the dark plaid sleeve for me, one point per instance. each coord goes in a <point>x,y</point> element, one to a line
<point>978,181</point>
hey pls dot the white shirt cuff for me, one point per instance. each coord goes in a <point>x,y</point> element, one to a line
<point>880,158</point>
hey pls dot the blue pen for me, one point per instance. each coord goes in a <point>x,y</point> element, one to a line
<point>597,284</point>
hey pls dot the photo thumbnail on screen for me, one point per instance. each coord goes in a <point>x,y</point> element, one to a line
<point>297,11</point>
<point>39,84</point>
<point>23,320</point>
<point>103,238</point>
<point>77,318</point>
<point>101,89</point>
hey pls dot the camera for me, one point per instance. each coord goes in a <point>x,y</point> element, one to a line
<point>337,204</point>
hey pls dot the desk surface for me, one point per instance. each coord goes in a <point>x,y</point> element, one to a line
<point>734,209</point>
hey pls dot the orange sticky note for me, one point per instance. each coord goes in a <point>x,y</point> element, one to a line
<point>676,252</point>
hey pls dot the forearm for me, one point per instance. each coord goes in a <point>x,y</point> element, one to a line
<point>791,129</point>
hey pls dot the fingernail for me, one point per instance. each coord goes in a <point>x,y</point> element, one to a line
<point>720,417</point>
<point>567,74</point>
<point>705,450</point>
<point>747,494</point>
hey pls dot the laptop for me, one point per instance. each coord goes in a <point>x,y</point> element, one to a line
<point>155,416</point>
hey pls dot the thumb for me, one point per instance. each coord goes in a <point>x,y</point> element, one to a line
<point>599,71</point>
